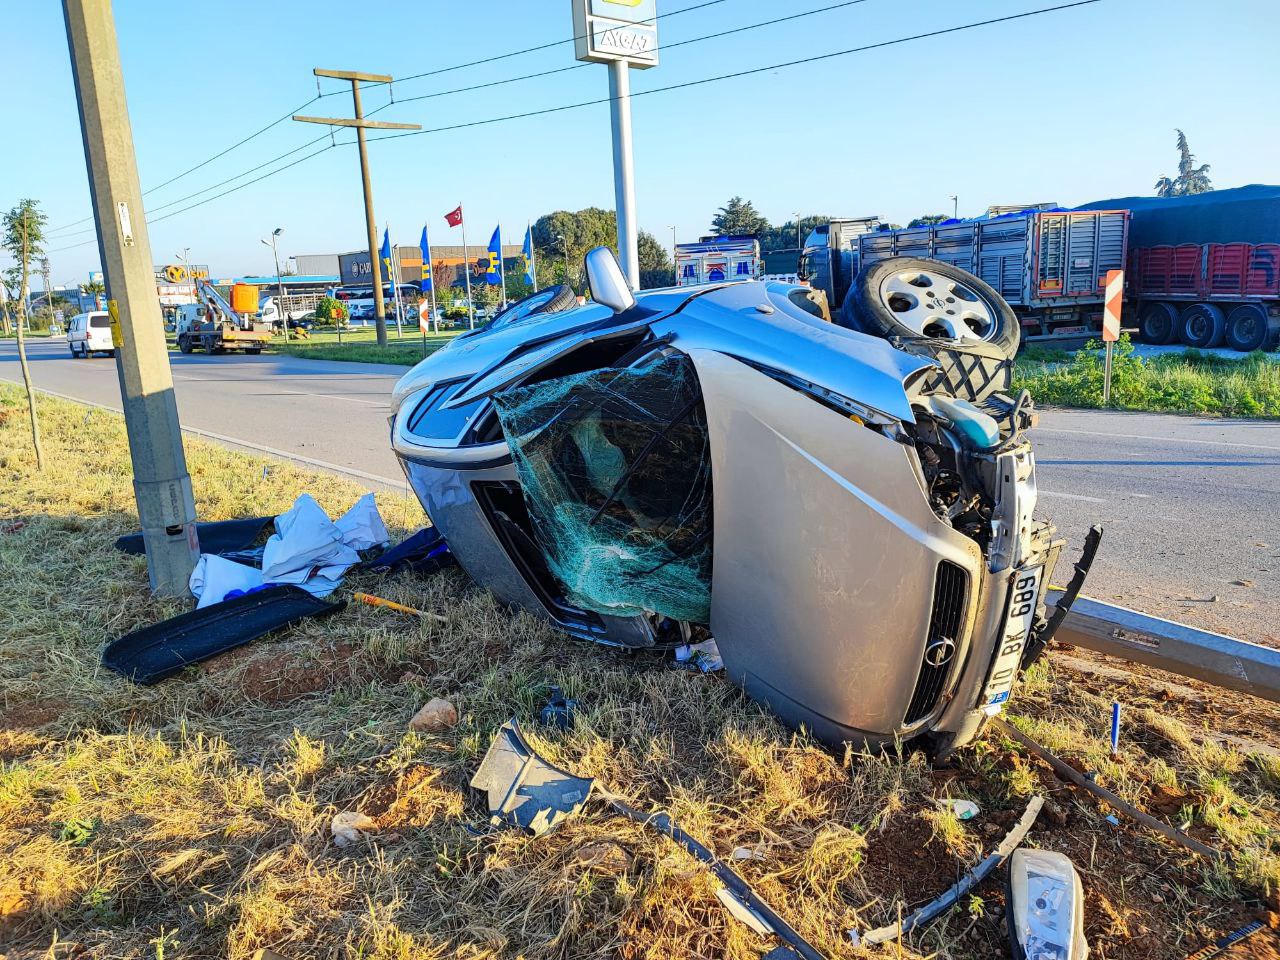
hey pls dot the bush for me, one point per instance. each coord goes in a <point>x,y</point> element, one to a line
<point>330,309</point>
<point>1191,382</point>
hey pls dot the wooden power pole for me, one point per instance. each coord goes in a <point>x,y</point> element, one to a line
<point>361,125</point>
<point>161,483</point>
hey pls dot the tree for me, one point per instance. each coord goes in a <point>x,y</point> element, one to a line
<point>23,238</point>
<point>1190,179</point>
<point>738,217</point>
<point>561,239</point>
<point>928,220</point>
<point>784,237</point>
<point>656,269</point>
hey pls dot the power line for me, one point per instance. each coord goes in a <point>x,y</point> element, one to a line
<point>660,49</point>
<point>319,95</point>
<point>742,73</point>
<point>574,106</point>
<point>546,46</point>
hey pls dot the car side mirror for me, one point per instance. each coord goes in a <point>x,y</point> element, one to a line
<point>606,280</point>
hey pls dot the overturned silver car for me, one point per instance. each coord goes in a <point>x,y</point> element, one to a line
<point>849,515</point>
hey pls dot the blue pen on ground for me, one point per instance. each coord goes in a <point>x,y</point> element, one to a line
<point>1115,729</point>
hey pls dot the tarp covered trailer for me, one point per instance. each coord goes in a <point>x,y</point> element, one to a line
<point>1205,269</point>
<point>1050,265</point>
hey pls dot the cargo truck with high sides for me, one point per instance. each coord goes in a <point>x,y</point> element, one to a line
<point>1204,270</point>
<point>718,260</point>
<point>216,324</point>
<point>1048,264</point>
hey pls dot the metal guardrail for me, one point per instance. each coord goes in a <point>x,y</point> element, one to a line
<point>1190,652</point>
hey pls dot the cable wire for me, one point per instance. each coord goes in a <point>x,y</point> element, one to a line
<point>741,73</point>
<point>660,49</point>
<point>574,106</point>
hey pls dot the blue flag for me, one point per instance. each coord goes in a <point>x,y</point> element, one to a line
<point>425,283</point>
<point>385,253</point>
<point>493,273</point>
<point>526,255</point>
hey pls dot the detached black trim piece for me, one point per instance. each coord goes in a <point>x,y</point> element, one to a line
<point>157,652</point>
<point>1040,642</point>
<point>220,536</point>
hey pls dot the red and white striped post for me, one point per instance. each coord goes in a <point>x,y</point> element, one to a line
<point>1111,325</point>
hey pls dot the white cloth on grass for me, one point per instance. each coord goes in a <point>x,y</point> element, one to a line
<point>362,527</point>
<point>214,577</point>
<point>307,549</point>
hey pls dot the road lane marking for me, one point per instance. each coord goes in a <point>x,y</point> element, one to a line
<point>292,393</point>
<point>397,485</point>
<point>1140,436</point>
<point>1073,496</point>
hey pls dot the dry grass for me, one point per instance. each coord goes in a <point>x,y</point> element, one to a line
<point>192,819</point>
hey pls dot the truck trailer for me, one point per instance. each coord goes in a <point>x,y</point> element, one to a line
<point>1049,264</point>
<point>717,259</point>
<point>1204,269</point>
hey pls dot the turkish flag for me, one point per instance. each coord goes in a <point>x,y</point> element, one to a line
<point>454,217</point>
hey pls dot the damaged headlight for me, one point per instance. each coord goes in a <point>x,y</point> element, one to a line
<point>1046,908</point>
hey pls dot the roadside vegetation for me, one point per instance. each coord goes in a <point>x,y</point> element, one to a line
<point>1187,382</point>
<point>361,346</point>
<point>193,818</point>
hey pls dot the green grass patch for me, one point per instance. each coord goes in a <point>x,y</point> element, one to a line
<point>361,346</point>
<point>1189,382</point>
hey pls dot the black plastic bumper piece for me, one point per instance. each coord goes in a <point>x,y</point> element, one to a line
<point>220,536</point>
<point>157,652</point>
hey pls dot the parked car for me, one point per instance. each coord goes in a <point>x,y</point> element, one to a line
<point>90,333</point>
<point>359,302</point>
<point>849,518</point>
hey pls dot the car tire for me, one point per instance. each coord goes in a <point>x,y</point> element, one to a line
<point>184,344</point>
<point>253,351</point>
<point>918,299</point>
<point>847,315</point>
<point>1158,324</point>
<point>1247,328</point>
<point>1202,326</point>
<point>72,348</point>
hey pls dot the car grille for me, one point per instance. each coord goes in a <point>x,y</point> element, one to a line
<point>943,642</point>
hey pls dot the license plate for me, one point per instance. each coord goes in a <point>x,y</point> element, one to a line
<point>1019,615</point>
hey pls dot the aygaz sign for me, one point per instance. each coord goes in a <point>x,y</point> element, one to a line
<point>612,30</point>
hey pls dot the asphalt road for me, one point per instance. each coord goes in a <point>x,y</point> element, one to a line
<point>1191,506</point>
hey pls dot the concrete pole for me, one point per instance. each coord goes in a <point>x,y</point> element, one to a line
<point>162,486</point>
<point>375,268</point>
<point>624,186</point>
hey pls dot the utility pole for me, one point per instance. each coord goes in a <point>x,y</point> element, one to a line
<point>162,486</point>
<point>279,282</point>
<point>361,125</point>
<point>955,206</point>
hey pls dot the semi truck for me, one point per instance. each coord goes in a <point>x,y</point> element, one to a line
<point>215,326</point>
<point>717,259</point>
<point>1204,270</point>
<point>1050,264</point>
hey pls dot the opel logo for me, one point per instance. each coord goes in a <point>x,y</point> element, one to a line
<point>940,652</point>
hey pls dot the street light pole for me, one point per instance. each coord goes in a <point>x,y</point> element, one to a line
<point>279,282</point>
<point>161,483</point>
<point>955,206</point>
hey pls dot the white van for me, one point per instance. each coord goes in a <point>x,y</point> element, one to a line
<point>90,333</point>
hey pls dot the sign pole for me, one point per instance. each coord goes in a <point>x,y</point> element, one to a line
<point>1111,326</point>
<point>466,266</point>
<point>624,185</point>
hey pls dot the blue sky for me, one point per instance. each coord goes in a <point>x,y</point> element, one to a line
<point>1070,106</point>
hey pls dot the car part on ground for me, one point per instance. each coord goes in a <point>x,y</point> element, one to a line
<point>1071,774</point>
<point>158,651</point>
<point>1227,942</point>
<point>424,552</point>
<point>1041,637</point>
<point>914,298</point>
<point>965,884</point>
<point>737,888</point>
<point>524,790</point>
<point>871,501</point>
<point>219,536</point>
<point>1045,907</point>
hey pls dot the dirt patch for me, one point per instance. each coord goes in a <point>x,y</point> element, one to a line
<point>32,715</point>
<point>412,798</point>
<point>274,674</point>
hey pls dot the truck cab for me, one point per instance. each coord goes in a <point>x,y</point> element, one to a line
<point>829,260</point>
